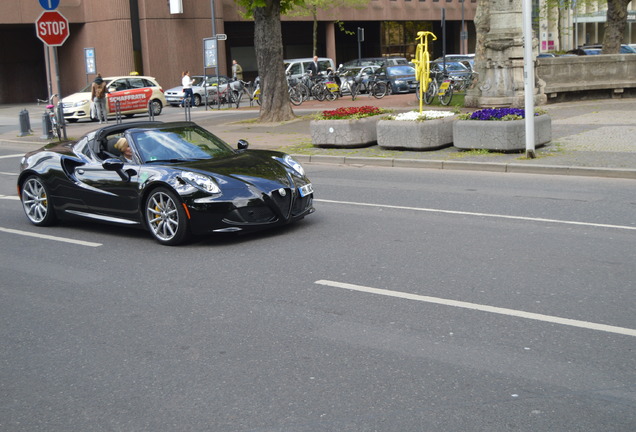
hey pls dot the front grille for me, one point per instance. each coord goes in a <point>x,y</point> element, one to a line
<point>301,205</point>
<point>251,214</point>
<point>283,203</point>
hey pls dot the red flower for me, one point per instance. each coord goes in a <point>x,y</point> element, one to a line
<point>351,112</point>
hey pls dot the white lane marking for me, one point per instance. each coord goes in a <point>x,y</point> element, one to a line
<point>483,308</point>
<point>50,237</point>
<point>10,197</point>
<point>12,156</point>
<point>464,213</point>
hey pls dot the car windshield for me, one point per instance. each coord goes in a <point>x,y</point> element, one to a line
<point>452,66</point>
<point>197,80</point>
<point>350,71</point>
<point>180,143</point>
<point>400,70</point>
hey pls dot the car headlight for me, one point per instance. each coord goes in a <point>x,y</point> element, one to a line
<point>204,183</point>
<point>294,164</point>
<point>400,81</point>
<point>81,103</point>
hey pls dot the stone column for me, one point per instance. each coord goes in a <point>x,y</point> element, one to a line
<point>500,62</point>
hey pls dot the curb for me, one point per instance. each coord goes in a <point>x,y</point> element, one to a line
<point>513,168</point>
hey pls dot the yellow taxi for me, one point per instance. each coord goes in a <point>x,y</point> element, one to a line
<point>130,94</point>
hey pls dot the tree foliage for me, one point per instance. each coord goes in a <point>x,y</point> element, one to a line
<point>311,8</point>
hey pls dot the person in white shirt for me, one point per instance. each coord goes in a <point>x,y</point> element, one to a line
<point>186,82</point>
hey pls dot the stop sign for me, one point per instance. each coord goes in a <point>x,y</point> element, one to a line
<point>52,28</point>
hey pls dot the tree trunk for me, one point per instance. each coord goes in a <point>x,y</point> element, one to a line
<point>314,13</point>
<point>615,26</point>
<point>268,44</point>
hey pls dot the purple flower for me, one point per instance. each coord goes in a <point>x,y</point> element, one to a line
<point>497,114</point>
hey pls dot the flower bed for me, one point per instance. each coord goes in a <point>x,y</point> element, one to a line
<point>500,129</point>
<point>346,127</point>
<point>429,130</point>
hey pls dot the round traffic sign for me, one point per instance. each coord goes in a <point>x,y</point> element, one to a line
<point>50,4</point>
<point>52,28</point>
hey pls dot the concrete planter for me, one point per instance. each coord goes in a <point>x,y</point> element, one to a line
<point>344,133</point>
<point>416,135</point>
<point>504,136</point>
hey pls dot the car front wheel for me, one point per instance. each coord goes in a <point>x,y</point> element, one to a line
<point>36,202</point>
<point>166,218</point>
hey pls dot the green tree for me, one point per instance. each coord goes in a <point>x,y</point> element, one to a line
<point>615,25</point>
<point>268,44</point>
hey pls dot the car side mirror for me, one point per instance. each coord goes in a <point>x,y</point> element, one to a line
<point>242,144</point>
<point>113,164</point>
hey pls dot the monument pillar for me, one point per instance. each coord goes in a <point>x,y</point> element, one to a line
<point>499,60</point>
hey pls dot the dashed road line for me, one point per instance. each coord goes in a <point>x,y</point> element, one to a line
<point>483,308</point>
<point>50,237</point>
<point>491,215</point>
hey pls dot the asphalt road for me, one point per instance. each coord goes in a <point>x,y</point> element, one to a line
<point>412,300</point>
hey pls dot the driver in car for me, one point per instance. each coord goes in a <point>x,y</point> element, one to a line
<point>124,148</point>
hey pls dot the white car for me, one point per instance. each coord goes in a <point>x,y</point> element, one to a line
<point>201,85</point>
<point>133,95</point>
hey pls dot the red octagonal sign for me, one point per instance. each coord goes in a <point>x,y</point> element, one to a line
<point>52,28</point>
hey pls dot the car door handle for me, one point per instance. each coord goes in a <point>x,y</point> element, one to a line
<point>80,171</point>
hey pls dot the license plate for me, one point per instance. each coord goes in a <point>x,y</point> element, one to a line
<point>306,190</point>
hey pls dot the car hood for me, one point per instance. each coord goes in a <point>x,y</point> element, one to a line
<point>76,97</point>
<point>259,168</point>
<point>406,76</point>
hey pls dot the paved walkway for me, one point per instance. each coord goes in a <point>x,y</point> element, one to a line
<point>596,137</point>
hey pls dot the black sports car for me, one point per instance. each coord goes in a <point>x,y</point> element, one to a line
<point>174,179</point>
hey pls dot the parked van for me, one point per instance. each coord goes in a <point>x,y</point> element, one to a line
<point>297,67</point>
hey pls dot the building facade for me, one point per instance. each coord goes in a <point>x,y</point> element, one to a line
<point>145,37</point>
<point>164,38</point>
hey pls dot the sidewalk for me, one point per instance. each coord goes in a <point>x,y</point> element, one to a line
<point>596,138</point>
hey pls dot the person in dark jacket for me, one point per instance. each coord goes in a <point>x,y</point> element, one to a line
<point>98,96</point>
<point>314,68</point>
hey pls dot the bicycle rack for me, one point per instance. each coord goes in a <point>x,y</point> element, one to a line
<point>59,114</point>
<point>187,109</point>
<point>151,113</point>
<point>118,119</point>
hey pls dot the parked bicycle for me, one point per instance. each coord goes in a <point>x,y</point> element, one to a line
<point>240,89</point>
<point>295,95</point>
<point>51,111</point>
<point>377,87</point>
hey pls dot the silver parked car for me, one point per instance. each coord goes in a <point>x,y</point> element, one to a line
<point>200,87</point>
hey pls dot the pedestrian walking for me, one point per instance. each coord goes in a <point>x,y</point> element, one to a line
<point>237,71</point>
<point>186,82</point>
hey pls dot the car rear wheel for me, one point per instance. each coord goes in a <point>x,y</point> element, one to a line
<point>197,100</point>
<point>36,202</point>
<point>156,107</point>
<point>166,217</point>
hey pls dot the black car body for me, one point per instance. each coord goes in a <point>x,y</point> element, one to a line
<point>180,180</point>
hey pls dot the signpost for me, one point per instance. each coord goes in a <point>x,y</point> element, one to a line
<point>52,28</point>
<point>210,60</point>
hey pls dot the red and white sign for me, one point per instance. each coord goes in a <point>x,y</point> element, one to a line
<point>52,28</point>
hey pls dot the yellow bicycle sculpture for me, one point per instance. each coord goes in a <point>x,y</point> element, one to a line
<point>422,65</point>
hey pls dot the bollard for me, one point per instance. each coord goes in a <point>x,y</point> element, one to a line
<point>25,124</point>
<point>47,134</point>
